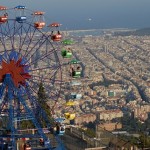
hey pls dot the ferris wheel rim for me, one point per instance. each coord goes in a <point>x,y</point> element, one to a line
<point>5,35</point>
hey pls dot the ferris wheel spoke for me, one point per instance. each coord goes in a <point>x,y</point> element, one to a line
<point>3,43</point>
<point>14,32</point>
<point>42,58</point>
<point>31,35</point>
<point>38,42</point>
<point>54,73</point>
<point>46,79</point>
<point>51,77</point>
<point>20,34</point>
<point>2,38</point>
<point>31,88</point>
<point>35,51</point>
<point>17,34</point>
<point>6,34</point>
<point>51,42</point>
<point>48,76</point>
<point>26,37</point>
<point>46,68</point>
<point>4,51</point>
<point>50,93</point>
<point>11,34</point>
<point>4,30</point>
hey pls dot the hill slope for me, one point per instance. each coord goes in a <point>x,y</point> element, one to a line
<point>138,32</point>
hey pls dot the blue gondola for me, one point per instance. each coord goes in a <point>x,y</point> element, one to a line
<point>60,127</point>
<point>60,120</point>
<point>76,96</point>
<point>21,18</point>
<point>20,7</point>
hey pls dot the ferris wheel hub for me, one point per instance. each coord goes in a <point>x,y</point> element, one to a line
<point>17,71</point>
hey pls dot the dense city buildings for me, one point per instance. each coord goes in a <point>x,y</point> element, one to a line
<point>115,79</point>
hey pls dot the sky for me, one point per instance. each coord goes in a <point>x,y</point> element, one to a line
<point>90,14</point>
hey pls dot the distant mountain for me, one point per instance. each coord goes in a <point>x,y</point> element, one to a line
<point>138,32</point>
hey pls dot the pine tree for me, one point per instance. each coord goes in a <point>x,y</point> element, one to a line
<point>41,93</point>
<point>42,99</point>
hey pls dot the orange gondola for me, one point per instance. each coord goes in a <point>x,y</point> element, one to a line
<point>55,24</point>
<point>40,23</point>
<point>38,13</point>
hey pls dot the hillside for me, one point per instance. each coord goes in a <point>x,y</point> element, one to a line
<point>138,32</point>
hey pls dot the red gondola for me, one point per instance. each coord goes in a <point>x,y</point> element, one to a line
<point>27,146</point>
<point>3,8</point>
<point>3,19</point>
<point>4,15</point>
<point>56,37</point>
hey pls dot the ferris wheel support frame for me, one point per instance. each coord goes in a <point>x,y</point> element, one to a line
<point>11,89</point>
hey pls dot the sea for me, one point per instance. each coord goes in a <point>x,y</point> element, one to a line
<point>96,32</point>
<point>92,32</point>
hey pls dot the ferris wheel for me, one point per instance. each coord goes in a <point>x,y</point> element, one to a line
<point>28,58</point>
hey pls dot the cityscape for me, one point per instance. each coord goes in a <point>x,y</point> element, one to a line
<point>115,83</point>
<point>72,89</point>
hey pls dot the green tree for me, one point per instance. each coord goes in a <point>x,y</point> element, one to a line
<point>26,124</point>
<point>131,124</point>
<point>42,99</point>
<point>144,141</point>
<point>41,93</point>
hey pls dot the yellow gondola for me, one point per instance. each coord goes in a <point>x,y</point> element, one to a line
<point>70,116</point>
<point>70,103</point>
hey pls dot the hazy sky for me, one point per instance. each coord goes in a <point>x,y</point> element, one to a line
<point>80,14</point>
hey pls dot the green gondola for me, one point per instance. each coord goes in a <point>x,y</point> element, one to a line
<point>67,42</point>
<point>74,61</point>
<point>76,74</point>
<point>66,53</point>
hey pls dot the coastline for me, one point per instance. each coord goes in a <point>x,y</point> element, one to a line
<point>95,32</point>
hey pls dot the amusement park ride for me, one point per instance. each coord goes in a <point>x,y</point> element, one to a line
<point>28,57</point>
